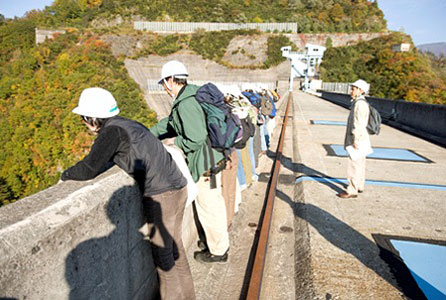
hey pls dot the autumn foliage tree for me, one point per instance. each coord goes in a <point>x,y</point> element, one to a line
<point>392,75</point>
<point>40,136</point>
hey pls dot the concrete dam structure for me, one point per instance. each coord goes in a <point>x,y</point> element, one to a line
<point>82,240</point>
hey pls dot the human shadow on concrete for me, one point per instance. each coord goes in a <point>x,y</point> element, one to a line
<point>341,235</point>
<point>305,170</point>
<point>115,266</point>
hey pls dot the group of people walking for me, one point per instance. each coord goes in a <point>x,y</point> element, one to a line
<point>166,186</point>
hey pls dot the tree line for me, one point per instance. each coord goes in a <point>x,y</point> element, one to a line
<point>311,15</point>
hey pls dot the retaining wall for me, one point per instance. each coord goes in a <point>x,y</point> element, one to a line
<point>79,240</point>
<point>42,34</point>
<point>427,121</point>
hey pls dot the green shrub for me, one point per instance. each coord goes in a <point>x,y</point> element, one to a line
<point>38,89</point>
<point>275,42</point>
<point>213,44</point>
<point>164,45</point>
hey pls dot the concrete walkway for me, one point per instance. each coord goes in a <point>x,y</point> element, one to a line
<point>321,246</point>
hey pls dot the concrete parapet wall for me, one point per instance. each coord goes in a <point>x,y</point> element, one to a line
<point>424,120</point>
<point>79,240</point>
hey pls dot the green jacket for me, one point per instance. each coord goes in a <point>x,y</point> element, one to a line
<point>187,123</point>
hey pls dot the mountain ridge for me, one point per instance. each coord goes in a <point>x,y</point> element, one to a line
<point>436,48</point>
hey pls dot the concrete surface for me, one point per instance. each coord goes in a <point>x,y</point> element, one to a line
<point>345,261</point>
<point>77,240</point>
<point>80,239</point>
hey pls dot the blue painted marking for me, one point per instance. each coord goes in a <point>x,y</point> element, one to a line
<point>375,182</point>
<point>335,123</point>
<point>384,153</point>
<point>427,264</point>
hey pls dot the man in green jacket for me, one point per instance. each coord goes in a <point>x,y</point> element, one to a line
<point>187,124</point>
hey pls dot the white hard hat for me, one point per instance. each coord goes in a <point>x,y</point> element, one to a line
<point>361,84</point>
<point>234,90</point>
<point>222,88</point>
<point>97,103</point>
<point>173,68</point>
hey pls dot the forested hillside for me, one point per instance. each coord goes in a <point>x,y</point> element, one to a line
<point>39,87</point>
<point>311,15</point>
<point>392,75</point>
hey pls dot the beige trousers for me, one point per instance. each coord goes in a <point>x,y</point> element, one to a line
<point>229,184</point>
<point>211,211</point>
<point>356,175</point>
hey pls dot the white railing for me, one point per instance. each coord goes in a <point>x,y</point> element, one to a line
<point>337,87</point>
<point>187,27</point>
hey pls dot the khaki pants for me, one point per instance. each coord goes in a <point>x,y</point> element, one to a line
<point>164,213</point>
<point>228,185</point>
<point>356,175</point>
<point>211,211</point>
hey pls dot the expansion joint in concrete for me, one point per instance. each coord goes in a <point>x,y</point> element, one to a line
<point>303,269</point>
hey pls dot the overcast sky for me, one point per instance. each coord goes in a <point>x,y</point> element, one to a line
<point>424,20</point>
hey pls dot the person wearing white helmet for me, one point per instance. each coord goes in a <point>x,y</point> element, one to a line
<point>187,124</point>
<point>132,147</point>
<point>357,139</point>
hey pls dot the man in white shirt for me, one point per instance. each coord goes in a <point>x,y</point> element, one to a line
<point>357,140</point>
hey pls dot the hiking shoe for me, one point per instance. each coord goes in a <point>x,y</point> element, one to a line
<point>205,256</point>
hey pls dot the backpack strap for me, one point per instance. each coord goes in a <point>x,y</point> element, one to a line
<point>212,161</point>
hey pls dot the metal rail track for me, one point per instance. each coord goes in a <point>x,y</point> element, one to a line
<point>254,273</point>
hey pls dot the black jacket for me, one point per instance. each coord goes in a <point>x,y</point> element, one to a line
<point>134,149</point>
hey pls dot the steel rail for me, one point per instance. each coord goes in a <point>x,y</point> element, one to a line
<point>256,274</point>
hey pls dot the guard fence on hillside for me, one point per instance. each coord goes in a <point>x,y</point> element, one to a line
<point>188,27</point>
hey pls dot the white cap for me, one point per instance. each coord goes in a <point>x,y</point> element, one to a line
<point>173,68</point>
<point>97,103</point>
<point>361,84</point>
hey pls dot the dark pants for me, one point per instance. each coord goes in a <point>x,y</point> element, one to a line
<point>164,213</point>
